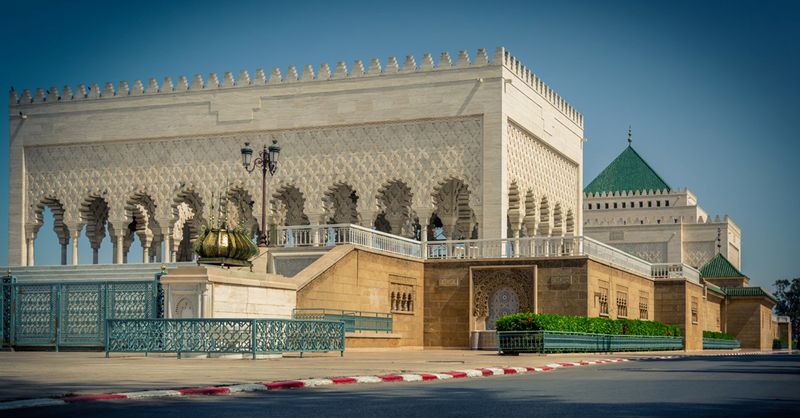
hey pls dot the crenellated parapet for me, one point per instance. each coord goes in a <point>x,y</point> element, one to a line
<point>307,73</point>
<point>637,193</point>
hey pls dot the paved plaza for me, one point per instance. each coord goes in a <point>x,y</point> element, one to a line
<point>26,375</point>
<point>743,385</point>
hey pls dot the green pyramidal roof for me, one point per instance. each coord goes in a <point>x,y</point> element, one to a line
<point>629,172</point>
<point>719,266</point>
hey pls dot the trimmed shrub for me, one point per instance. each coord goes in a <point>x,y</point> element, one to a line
<point>526,321</point>
<point>718,335</point>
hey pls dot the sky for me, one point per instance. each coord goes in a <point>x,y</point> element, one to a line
<point>709,88</point>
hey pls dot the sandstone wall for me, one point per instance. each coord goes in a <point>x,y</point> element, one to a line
<point>362,280</point>
<point>619,283</point>
<point>748,320</point>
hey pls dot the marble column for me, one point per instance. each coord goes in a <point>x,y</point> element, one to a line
<point>118,248</point>
<point>75,236</point>
<point>31,258</point>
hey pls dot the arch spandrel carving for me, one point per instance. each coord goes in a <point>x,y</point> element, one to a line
<point>487,281</point>
<point>421,153</point>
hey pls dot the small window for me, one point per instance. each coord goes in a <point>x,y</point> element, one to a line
<point>641,204</point>
<point>649,203</point>
<point>615,205</point>
<point>623,205</point>
<point>666,203</point>
<point>622,304</point>
<point>643,299</point>
<point>694,309</point>
<point>602,299</point>
<point>658,221</point>
<point>401,298</point>
<point>658,203</point>
<point>606,205</point>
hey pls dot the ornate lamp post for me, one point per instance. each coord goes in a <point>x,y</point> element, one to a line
<point>268,161</point>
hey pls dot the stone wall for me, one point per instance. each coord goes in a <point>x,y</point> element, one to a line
<point>562,287</point>
<point>215,292</point>
<point>714,315</point>
<point>679,302</point>
<point>363,280</point>
<point>748,320</point>
<point>618,284</point>
<point>243,301</point>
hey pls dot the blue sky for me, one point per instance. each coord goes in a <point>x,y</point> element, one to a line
<point>710,88</point>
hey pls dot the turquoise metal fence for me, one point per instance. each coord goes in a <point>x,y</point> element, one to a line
<point>720,344</point>
<point>353,320</point>
<point>61,314</point>
<point>246,336</point>
<point>5,310</point>
<point>511,342</point>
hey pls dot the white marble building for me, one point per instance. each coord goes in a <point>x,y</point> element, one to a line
<point>479,146</point>
<point>629,206</point>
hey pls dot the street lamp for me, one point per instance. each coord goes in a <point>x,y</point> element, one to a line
<point>268,161</point>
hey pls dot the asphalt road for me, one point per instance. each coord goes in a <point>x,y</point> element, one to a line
<point>751,386</point>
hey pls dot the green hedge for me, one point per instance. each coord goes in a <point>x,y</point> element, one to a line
<point>718,335</point>
<point>526,321</point>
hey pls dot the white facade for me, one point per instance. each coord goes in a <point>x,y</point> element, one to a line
<point>480,145</point>
<point>661,227</point>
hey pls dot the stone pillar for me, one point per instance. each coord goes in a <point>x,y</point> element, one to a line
<point>31,258</point>
<point>424,215</point>
<point>118,248</point>
<point>368,218</point>
<point>64,244</point>
<point>515,232</point>
<point>494,176</point>
<point>423,236</point>
<point>145,253</point>
<point>165,250</point>
<point>75,236</point>
<point>95,255</point>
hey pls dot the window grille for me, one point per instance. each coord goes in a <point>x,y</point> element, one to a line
<point>622,305</point>
<point>694,310</point>
<point>643,314</point>
<point>401,298</point>
<point>602,299</point>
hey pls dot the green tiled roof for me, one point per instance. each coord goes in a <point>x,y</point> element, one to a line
<point>748,291</point>
<point>629,172</point>
<point>719,266</point>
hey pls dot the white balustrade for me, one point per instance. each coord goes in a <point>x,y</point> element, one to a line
<point>675,271</point>
<point>331,235</point>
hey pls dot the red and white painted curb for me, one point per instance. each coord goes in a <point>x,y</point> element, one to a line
<point>310,383</point>
<point>303,383</point>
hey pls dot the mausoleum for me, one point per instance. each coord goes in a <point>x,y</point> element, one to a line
<point>435,195</point>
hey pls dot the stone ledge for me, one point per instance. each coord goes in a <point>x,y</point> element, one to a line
<point>373,335</point>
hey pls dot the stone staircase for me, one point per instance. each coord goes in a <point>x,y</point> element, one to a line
<point>89,272</point>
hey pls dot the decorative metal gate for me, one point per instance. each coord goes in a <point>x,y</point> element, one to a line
<point>61,314</point>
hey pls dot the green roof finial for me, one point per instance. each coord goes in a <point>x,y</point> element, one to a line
<point>630,136</point>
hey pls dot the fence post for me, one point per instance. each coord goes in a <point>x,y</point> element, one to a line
<point>56,309</point>
<point>6,309</point>
<point>253,337</point>
<point>158,294</point>
<point>108,338</point>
